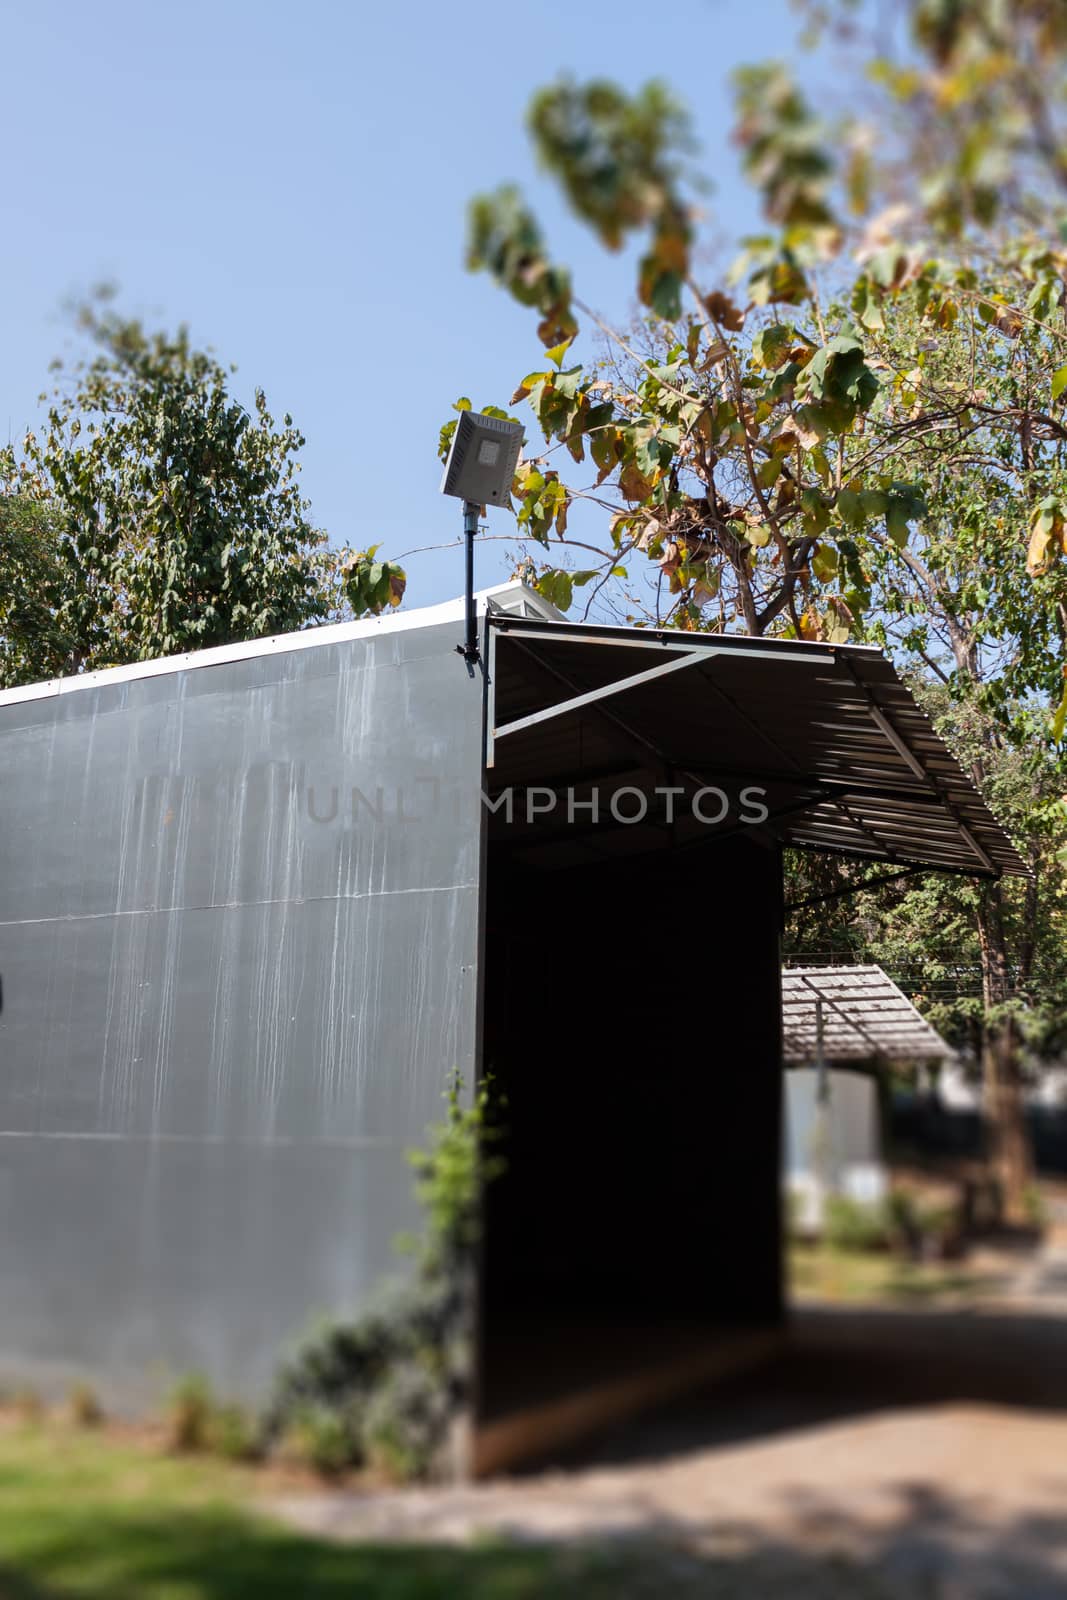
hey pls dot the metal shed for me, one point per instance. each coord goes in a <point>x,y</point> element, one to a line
<point>851,1016</point>
<point>256,903</point>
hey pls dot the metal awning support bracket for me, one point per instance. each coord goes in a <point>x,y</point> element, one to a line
<point>607,690</point>
<point>883,724</point>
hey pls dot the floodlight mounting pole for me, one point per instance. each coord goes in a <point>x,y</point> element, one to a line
<point>469,648</point>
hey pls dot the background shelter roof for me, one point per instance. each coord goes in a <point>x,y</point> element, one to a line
<point>864,1016</point>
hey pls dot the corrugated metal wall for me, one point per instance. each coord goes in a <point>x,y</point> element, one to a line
<point>238,936</point>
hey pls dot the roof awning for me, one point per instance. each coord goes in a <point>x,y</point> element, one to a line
<point>864,1016</point>
<point>846,760</point>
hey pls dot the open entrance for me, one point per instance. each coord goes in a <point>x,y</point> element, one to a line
<point>634,1037</point>
<point>639,789</point>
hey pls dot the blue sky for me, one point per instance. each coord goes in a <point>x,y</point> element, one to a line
<point>291,181</point>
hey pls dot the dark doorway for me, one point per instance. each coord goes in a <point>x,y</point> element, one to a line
<point>632,1028</point>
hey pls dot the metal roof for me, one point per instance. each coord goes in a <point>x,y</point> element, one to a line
<point>864,1015</point>
<point>848,761</point>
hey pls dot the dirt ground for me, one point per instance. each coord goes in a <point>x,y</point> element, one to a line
<point>916,1452</point>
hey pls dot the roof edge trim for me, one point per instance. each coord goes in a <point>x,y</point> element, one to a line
<point>512,600</point>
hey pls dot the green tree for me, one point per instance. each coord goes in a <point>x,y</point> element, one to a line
<point>751,440</point>
<point>963,600</point>
<point>152,514</point>
<point>859,434</point>
<point>33,642</point>
<point>960,604</point>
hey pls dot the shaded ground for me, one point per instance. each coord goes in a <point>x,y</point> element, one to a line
<point>897,1452</point>
<point>914,1503</point>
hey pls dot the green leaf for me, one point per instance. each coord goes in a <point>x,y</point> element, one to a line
<point>444,439</point>
<point>771,345</point>
<point>528,384</point>
<point>1059,721</point>
<point>767,472</point>
<point>505,240</point>
<point>824,562</point>
<point>1059,382</point>
<point>647,455</point>
<point>867,304</point>
<point>816,512</point>
<point>850,508</point>
<point>896,522</point>
<point>665,296</point>
<point>556,586</point>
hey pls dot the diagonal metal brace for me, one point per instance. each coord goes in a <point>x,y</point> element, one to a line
<point>689,659</point>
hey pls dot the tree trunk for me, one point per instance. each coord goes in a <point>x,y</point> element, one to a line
<point>1008,1145</point>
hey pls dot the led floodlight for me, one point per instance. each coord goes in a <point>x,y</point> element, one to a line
<point>482,460</point>
<point>479,470</point>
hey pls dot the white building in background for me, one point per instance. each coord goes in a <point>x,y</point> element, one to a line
<point>957,1089</point>
<point>833,1135</point>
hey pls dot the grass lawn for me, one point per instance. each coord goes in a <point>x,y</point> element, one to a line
<point>817,1272</point>
<point>81,1514</point>
<point>85,1514</point>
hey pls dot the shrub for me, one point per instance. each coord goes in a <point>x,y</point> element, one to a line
<point>916,1227</point>
<point>450,1174</point>
<point>407,1420</point>
<point>317,1437</point>
<point>373,1377</point>
<point>391,1383</point>
<point>854,1224</point>
<point>83,1406</point>
<point>28,1404</point>
<point>1035,1207</point>
<point>332,1374</point>
<point>190,1413</point>
<point>939,1228</point>
<point>903,1223</point>
<point>234,1434</point>
<point>794,1208</point>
